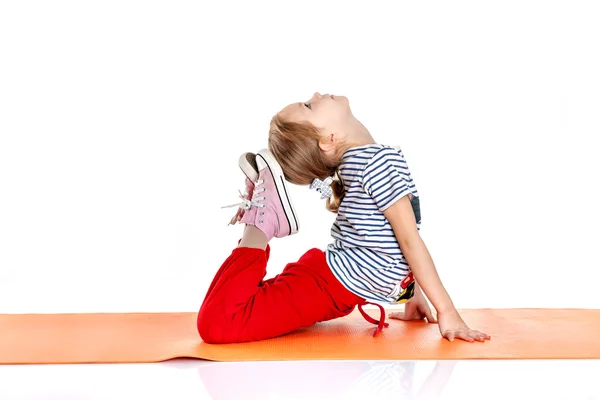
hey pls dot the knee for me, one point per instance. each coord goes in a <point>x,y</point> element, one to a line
<point>211,330</point>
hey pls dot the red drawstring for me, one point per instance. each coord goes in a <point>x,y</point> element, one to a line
<point>380,324</point>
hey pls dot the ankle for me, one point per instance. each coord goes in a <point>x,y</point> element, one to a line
<point>254,238</point>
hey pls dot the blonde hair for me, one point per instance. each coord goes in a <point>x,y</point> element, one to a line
<point>295,146</point>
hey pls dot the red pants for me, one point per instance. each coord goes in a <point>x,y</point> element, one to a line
<point>240,306</point>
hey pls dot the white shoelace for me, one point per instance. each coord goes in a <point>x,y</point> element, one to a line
<point>255,201</point>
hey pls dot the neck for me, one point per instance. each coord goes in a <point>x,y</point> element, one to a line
<point>359,135</point>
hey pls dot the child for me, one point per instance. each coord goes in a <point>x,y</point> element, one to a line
<point>377,254</point>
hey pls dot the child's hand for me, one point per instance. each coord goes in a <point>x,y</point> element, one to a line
<point>416,309</point>
<point>452,326</point>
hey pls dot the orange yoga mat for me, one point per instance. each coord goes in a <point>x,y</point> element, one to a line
<point>152,337</point>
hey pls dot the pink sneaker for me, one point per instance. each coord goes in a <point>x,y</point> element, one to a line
<point>247,163</point>
<point>270,208</point>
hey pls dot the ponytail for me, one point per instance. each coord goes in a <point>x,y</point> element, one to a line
<point>337,185</point>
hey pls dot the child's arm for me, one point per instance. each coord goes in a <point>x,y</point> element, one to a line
<point>402,219</point>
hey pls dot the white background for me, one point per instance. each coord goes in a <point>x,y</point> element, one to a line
<point>121,124</point>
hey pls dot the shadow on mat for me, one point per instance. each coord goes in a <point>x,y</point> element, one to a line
<point>322,379</point>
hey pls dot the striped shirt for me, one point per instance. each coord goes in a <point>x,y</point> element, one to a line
<point>365,255</point>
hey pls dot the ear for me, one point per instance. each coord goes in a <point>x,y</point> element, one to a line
<point>327,143</point>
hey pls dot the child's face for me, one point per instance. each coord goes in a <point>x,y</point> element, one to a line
<point>329,113</point>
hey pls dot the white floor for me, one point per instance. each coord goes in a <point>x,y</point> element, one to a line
<point>192,379</point>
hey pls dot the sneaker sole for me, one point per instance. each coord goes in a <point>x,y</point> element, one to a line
<point>247,167</point>
<point>282,192</point>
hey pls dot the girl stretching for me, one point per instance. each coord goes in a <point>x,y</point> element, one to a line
<point>377,254</point>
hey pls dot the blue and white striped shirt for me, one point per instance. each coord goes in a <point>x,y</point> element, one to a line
<point>365,255</point>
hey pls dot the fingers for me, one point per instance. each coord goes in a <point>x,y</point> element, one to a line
<point>449,335</point>
<point>467,336</point>
<point>480,336</point>
<point>411,312</point>
<point>407,316</point>
<point>397,315</point>
<point>429,316</point>
<point>464,336</point>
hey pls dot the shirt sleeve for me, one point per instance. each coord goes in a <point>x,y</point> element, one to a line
<point>386,178</point>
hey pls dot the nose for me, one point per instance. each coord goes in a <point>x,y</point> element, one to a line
<point>317,95</point>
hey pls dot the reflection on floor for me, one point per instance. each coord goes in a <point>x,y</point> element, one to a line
<point>328,379</point>
<point>307,380</point>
